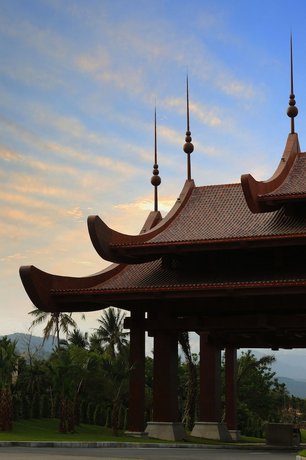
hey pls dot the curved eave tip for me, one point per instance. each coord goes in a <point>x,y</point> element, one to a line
<point>101,236</point>
<point>36,286</point>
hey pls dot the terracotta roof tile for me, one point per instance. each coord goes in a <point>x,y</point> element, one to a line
<point>294,183</point>
<point>220,212</point>
<point>155,276</point>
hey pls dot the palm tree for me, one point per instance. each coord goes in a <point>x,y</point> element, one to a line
<point>8,365</point>
<point>110,331</point>
<point>55,322</point>
<point>95,343</point>
<point>76,337</point>
<point>117,369</point>
<point>66,374</point>
<point>191,397</point>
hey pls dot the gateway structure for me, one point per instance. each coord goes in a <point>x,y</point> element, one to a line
<point>227,262</point>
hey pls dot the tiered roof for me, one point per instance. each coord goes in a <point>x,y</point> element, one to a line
<point>204,220</point>
<point>220,248</point>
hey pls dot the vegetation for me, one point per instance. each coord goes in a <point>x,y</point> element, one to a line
<point>261,398</point>
<point>8,365</point>
<point>46,430</point>
<point>55,322</point>
<point>85,382</point>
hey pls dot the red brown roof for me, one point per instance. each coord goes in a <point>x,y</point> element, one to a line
<point>176,259</point>
<point>287,185</point>
<point>294,185</point>
<point>253,213</point>
<point>214,216</point>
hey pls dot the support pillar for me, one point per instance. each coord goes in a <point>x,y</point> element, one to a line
<point>210,425</point>
<point>137,376</point>
<point>165,423</point>
<point>231,393</point>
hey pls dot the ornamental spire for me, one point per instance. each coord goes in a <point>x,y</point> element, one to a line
<point>292,110</point>
<point>188,146</point>
<point>155,179</point>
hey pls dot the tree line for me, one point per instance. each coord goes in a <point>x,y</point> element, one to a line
<point>85,380</point>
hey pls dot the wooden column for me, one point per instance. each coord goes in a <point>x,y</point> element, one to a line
<point>165,375</point>
<point>165,423</point>
<point>137,374</point>
<point>210,425</point>
<point>210,381</point>
<point>231,389</point>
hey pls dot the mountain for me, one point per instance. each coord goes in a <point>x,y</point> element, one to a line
<point>289,368</point>
<point>294,387</point>
<point>32,343</point>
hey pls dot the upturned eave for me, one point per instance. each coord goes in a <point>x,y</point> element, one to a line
<point>39,285</point>
<point>116,247</point>
<point>258,193</point>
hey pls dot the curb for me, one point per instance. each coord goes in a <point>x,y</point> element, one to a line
<point>108,444</point>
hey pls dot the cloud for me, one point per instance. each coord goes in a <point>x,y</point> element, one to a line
<point>71,126</point>
<point>103,162</point>
<point>93,64</point>
<point>75,128</point>
<point>44,40</point>
<point>205,115</point>
<point>9,155</point>
<point>32,184</point>
<point>76,213</point>
<point>236,88</point>
<point>146,204</point>
<point>24,217</point>
<point>16,130</point>
<point>9,231</point>
<point>29,75</point>
<point>13,257</point>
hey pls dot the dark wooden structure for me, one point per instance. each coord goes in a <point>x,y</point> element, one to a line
<point>227,262</point>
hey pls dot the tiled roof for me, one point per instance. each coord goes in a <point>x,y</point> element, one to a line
<point>295,183</point>
<point>220,213</point>
<point>155,276</point>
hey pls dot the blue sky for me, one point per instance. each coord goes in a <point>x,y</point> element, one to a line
<point>78,84</point>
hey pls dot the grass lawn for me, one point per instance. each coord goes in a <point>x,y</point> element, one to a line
<point>47,430</point>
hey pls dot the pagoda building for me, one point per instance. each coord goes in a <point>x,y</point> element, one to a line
<point>227,262</point>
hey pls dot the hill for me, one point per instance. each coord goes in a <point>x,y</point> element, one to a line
<point>26,343</point>
<point>294,387</point>
<point>289,368</point>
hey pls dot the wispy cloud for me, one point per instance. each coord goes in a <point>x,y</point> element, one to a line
<point>22,216</point>
<point>206,115</point>
<point>145,204</point>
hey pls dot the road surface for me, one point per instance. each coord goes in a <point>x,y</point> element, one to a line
<point>71,453</point>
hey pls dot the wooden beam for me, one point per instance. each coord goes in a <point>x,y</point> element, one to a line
<point>246,323</point>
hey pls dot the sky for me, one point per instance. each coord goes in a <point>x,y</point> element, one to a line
<point>79,82</point>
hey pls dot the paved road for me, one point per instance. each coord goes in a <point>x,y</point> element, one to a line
<point>27,453</point>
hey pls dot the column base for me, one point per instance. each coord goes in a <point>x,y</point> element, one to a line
<point>137,434</point>
<point>169,431</point>
<point>211,430</point>
<point>235,435</point>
